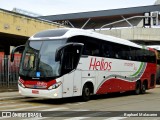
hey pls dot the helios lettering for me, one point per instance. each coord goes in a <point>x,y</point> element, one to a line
<point>100,65</point>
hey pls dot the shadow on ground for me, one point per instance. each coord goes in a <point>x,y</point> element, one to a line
<point>79,99</point>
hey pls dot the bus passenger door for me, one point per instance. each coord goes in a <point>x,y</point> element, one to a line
<point>77,83</point>
<point>70,56</point>
<point>68,85</point>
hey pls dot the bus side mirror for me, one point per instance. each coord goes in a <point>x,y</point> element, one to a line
<point>12,55</point>
<point>18,48</point>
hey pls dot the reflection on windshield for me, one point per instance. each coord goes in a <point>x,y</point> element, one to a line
<point>39,59</point>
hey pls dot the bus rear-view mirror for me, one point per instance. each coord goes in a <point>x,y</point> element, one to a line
<point>16,49</point>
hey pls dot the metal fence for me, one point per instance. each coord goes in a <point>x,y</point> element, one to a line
<point>9,72</point>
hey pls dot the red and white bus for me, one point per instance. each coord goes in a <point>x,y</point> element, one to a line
<point>157,48</point>
<point>70,62</point>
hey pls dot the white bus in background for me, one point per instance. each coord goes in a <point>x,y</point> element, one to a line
<point>71,62</point>
<point>157,48</point>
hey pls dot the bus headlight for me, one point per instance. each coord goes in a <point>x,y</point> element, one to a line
<point>20,84</point>
<point>54,86</point>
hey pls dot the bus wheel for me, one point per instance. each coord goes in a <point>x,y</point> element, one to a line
<point>86,93</point>
<point>138,88</point>
<point>143,90</point>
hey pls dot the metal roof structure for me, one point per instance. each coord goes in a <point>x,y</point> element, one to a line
<point>96,19</point>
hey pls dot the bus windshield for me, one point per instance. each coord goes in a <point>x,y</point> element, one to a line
<point>38,60</point>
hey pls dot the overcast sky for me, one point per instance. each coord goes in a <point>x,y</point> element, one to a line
<point>53,7</point>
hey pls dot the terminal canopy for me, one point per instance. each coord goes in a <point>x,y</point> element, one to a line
<point>96,19</point>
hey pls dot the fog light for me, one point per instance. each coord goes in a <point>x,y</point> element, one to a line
<point>55,94</point>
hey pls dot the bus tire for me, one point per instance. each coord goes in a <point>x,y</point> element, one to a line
<point>86,93</point>
<point>144,86</point>
<point>137,88</point>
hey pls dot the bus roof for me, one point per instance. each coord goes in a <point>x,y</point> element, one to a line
<point>70,32</point>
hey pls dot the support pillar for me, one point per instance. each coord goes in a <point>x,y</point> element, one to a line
<point>6,64</point>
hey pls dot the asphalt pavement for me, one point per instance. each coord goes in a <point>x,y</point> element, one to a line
<point>10,95</point>
<point>6,94</point>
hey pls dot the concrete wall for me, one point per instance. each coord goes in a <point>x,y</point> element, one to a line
<point>157,2</point>
<point>147,34</point>
<point>13,23</point>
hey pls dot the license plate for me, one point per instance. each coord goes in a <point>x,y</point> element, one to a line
<point>35,91</point>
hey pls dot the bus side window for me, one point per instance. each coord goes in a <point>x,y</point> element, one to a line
<point>91,47</point>
<point>133,53</point>
<point>125,52</point>
<point>128,53</point>
<point>95,52</point>
<point>151,57</point>
<point>146,57</point>
<point>117,51</point>
<point>141,55</point>
<point>138,54</point>
<point>106,50</point>
<point>86,50</point>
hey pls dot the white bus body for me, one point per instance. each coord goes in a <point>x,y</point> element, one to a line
<point>93,74</point>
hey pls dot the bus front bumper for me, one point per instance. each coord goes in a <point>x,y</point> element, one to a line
<point>53,93</point>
